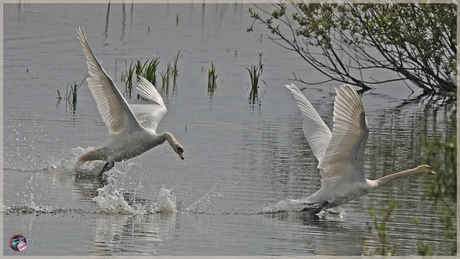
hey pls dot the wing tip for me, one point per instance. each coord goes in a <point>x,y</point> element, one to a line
<point>291,86</point>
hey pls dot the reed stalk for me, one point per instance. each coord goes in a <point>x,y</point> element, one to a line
<point>254,76</point>
<point>148,70</point>
<point>212,80</point>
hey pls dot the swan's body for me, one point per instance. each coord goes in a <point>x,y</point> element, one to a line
<point>340,153</point>
<point>132,127</point>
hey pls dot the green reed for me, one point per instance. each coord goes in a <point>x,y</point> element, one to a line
<point>71,95</point>
<point>148,70</point>
<point>127,79</point>
<point>175,71</point>
<point>254,75</point>
<point>165,77</point>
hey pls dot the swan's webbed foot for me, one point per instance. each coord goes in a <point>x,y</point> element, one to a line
<point>316,208</point>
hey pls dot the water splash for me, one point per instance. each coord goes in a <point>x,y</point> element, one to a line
<point>112,201</point>
<point>30,208</point>
<point>111,198</point>
<point>68,163</point>
<point>166,201</point>
<point>284,205</point>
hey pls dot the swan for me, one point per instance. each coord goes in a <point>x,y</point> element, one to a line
<point>340,153</point>
<point>132,127</point>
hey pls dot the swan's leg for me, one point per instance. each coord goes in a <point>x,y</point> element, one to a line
<point>107,167</point>
<point>103,177</point>
<point>315,209</point>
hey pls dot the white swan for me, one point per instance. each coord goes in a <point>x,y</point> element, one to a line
<point>132,127</point>
<point>341,153</point>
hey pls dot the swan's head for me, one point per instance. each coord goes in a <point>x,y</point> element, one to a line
<point>425,169</point>
<point>179,150</point>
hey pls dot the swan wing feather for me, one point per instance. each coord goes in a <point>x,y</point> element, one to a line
<point>315,130</point>
<point>344,157</point>
<point>149,114</point>
<point>112,106</point>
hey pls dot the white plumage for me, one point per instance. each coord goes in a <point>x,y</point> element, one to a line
<point>340,153</point>
<point>132,127</point>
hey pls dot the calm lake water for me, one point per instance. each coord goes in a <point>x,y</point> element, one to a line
<point>241,158</point>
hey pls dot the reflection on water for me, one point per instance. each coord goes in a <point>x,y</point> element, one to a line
<point>132,235</point>
<point>243,157</point>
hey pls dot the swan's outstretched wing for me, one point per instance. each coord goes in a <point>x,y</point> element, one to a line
<point>149,115</point>
<point>111,104</point>
<point>317,133</point>
<point>344,157</point>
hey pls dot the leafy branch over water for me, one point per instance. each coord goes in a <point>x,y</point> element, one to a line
<point>416,42</point>
<point>380,221</point>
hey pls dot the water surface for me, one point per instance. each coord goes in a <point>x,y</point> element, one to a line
<point>241,159</point>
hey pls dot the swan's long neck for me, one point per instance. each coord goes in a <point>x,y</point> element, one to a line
<point>169,137</point>
<point>388,178</point>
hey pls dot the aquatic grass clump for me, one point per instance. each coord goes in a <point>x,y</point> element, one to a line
<point>212,80</point>
<point>165,78</point>
<point>171,73</point>
<point>148,70</point>
<point>71,94</point>
<point>127,79</point>
<point>254,75</point>
<point>175,71</point>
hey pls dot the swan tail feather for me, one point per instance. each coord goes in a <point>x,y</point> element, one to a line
<point>90,154</point>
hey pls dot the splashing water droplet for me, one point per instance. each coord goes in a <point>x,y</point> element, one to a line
<point>166,201</point>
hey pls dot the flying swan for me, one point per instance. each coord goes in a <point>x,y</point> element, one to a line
<point>341,153</point>
<point>132,127</point>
